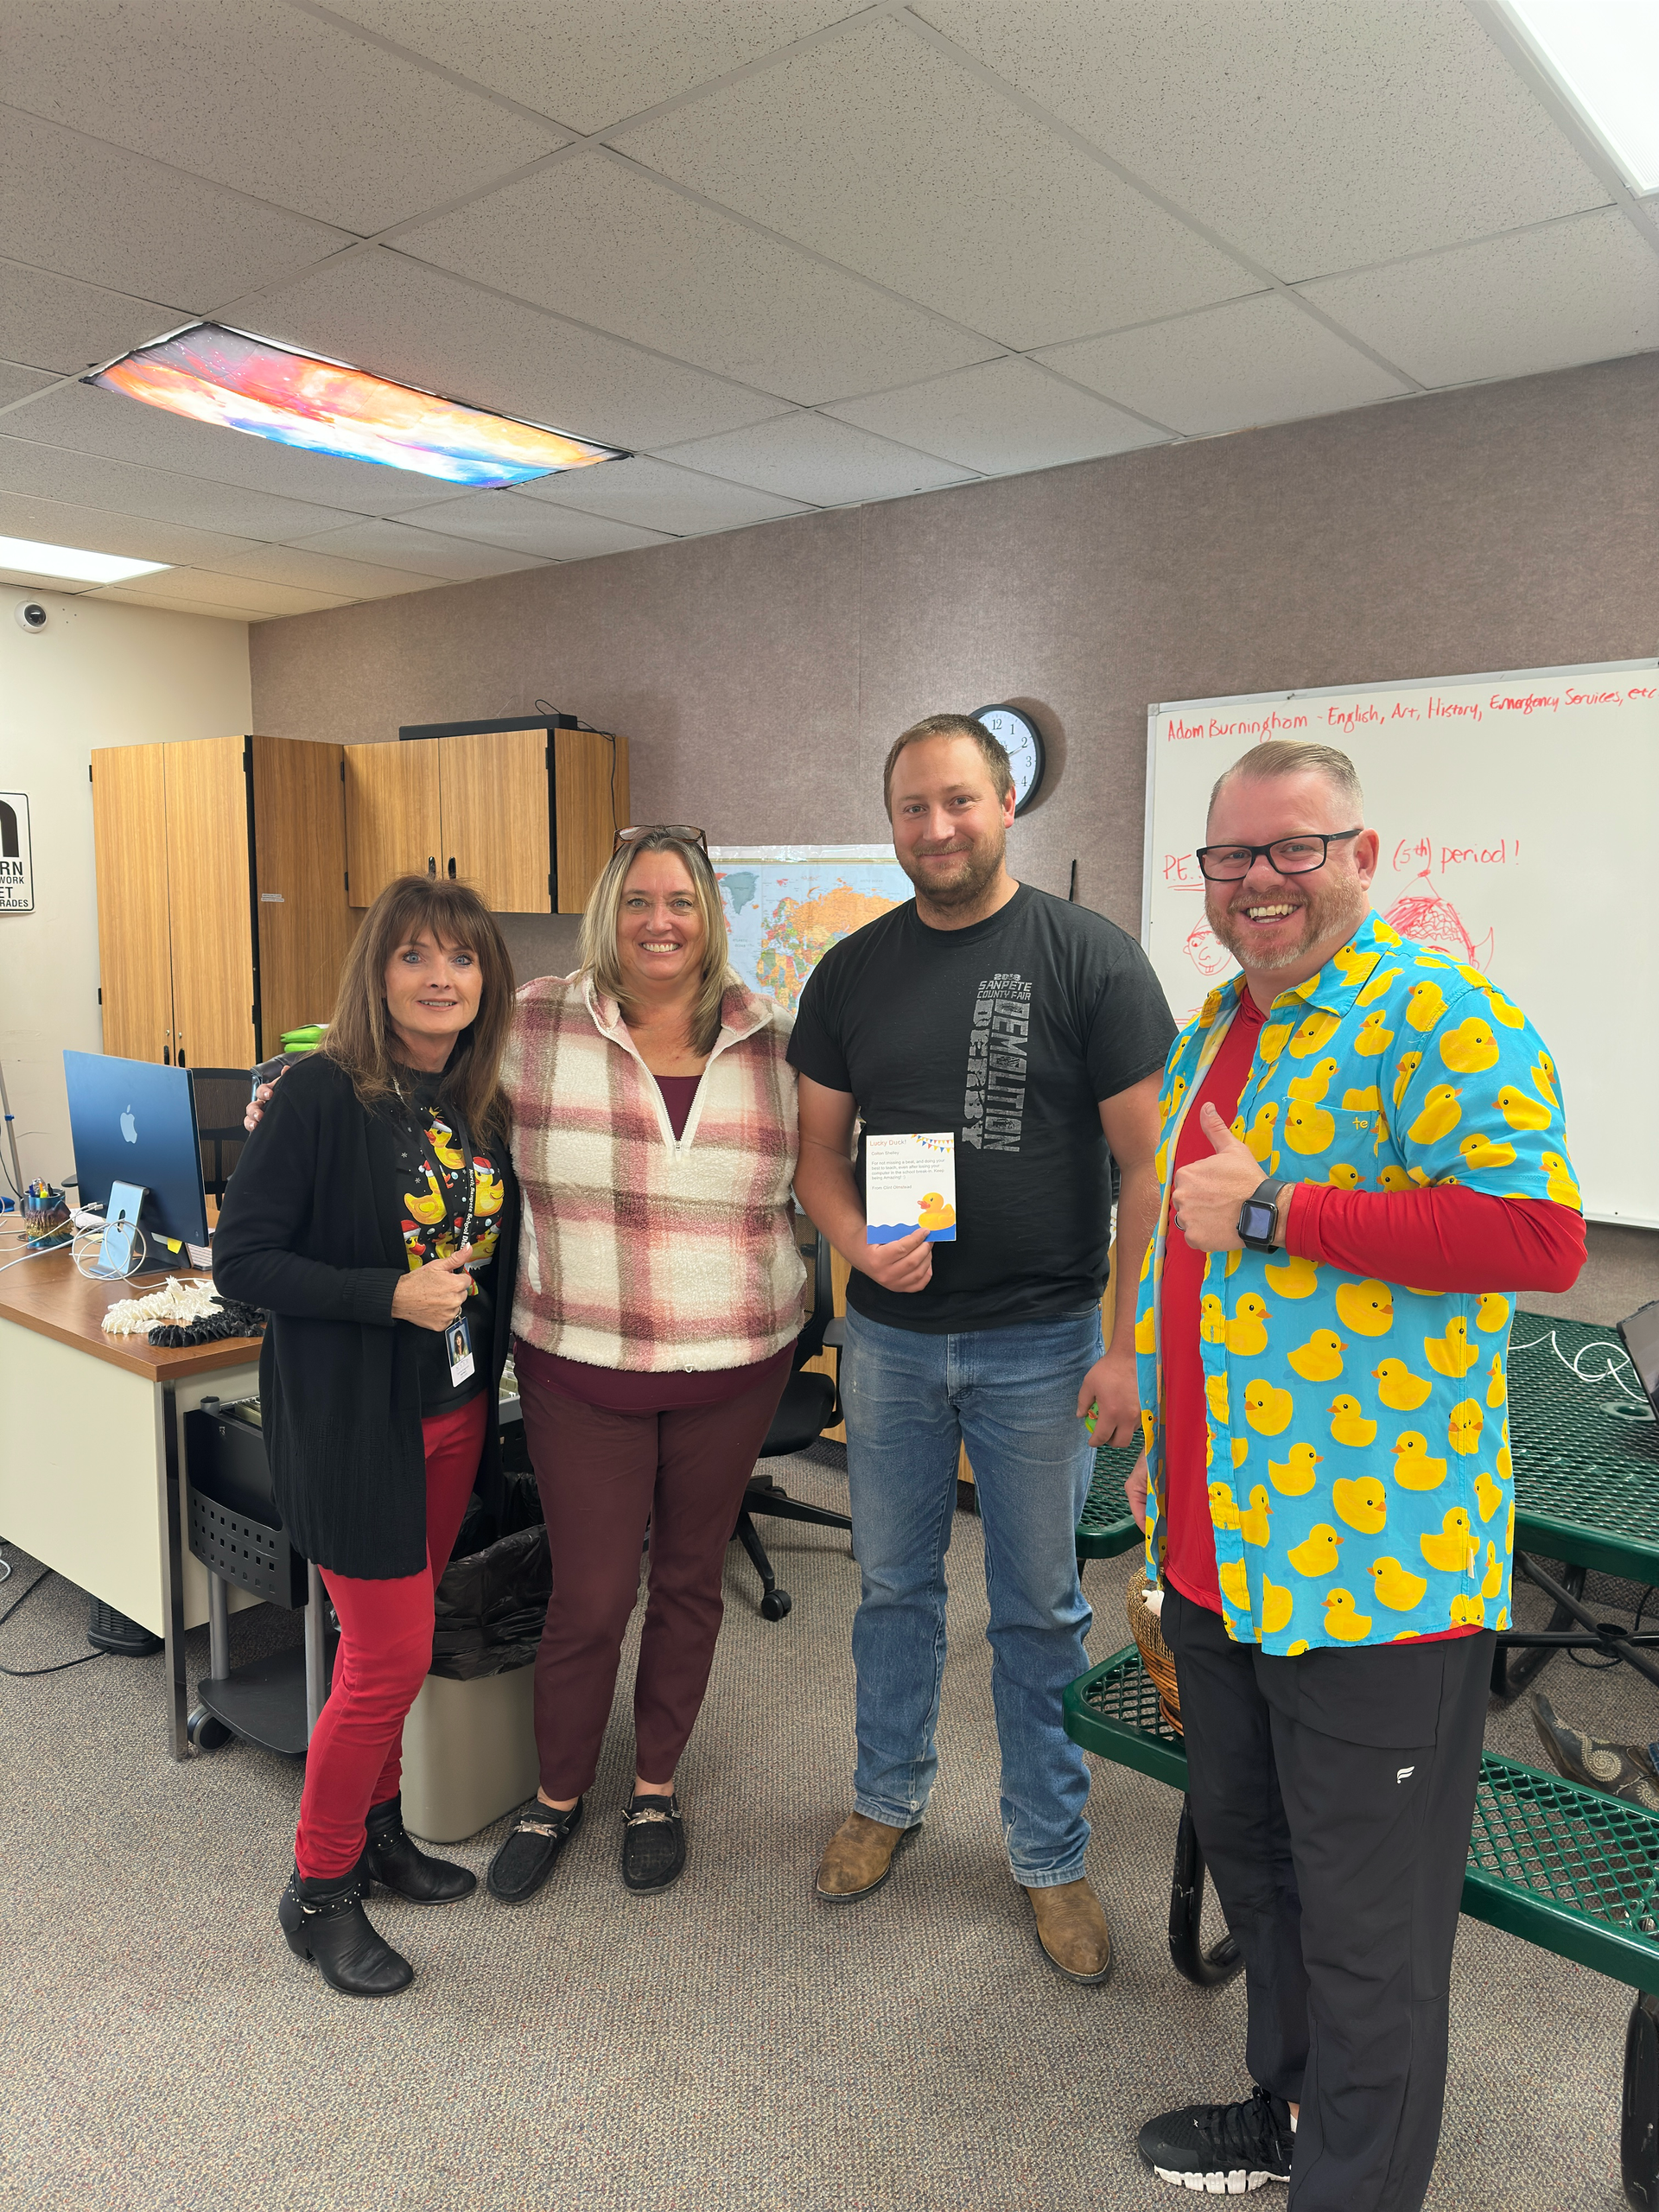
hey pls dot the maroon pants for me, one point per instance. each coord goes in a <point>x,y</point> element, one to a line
<point>356,1758</point>
<point>603,1476</point>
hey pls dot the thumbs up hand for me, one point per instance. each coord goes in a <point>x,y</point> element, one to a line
<point>1208,1194</point>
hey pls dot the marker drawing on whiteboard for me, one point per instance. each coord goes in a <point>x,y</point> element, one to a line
<point>1428,917</point>
<point>1206,949</point>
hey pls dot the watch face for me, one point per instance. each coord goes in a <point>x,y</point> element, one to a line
<point>1017,735</point>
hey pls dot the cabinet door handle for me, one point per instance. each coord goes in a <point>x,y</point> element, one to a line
<point>181,1052</point>
<point>452,868</point>
<point>431,867</point>
<point>167,1057</point>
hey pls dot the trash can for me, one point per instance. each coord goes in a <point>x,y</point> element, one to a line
<point>469,1742</point>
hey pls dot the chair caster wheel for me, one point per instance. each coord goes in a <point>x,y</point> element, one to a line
<point>775,1604</point>
<point>206,1731</point>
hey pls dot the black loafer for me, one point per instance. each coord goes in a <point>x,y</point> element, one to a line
<point>396,1861</point>
<point>525,1859</point>
<point>653,1843</point>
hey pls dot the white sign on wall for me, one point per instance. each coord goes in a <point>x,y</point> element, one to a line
<point>16,868</point>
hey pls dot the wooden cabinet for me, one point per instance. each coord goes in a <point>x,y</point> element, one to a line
<point>222,918</point>
<point>527,816</point>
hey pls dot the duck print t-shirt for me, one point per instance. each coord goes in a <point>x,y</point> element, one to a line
<point>427,1197</point>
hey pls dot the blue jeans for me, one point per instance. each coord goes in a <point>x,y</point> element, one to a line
<point>1011,1395</point>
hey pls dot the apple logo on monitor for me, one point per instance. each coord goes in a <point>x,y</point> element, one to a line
<point>128,1126</point>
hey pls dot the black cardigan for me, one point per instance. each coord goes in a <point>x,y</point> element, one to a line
<point>340,1390</point>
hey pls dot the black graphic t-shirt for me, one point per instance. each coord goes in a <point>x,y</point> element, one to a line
<point>1009,1031</point>
<point>427,1198</point>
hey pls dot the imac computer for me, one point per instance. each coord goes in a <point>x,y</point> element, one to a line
<point>134,1122</point>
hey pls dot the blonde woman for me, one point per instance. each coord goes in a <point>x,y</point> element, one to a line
<point>658,1302</point>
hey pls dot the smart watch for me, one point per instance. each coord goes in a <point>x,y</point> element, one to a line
<point>1258,1218</point>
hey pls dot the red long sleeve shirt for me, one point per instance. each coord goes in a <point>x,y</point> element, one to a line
<point>1443,1238</point>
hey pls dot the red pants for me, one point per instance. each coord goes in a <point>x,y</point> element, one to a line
<point>603,1476</point>
<point>356,1758</point>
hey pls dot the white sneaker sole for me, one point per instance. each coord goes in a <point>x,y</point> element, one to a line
<point>1238,2183</point>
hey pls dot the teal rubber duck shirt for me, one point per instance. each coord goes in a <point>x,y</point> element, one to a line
<point>1360,1481</point>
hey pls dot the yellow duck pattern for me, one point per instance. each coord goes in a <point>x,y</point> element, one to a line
<point>435,1215</point>
<point>1387,1071</point>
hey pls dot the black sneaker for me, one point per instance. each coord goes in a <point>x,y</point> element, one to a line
<point>653,1843</point>
<point>525,1859</point>
<point>1222,2150</point>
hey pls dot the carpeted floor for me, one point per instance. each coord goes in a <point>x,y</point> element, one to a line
<point>732,2044</point>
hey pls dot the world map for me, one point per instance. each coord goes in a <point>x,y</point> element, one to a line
<point>785,905</point>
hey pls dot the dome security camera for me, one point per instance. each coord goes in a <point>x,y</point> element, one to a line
<point>31,616</point>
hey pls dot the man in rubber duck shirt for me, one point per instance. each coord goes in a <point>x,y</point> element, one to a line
<point>1360,1137</point>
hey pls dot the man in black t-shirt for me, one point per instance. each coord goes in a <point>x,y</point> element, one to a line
<point>1035,1032</point>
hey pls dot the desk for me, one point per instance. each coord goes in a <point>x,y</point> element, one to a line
<point>91,1472</point>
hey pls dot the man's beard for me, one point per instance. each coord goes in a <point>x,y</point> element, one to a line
<point>976,870</point>
<point>1331,913</point>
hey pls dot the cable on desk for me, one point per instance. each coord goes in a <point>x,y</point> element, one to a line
<point>1620,1358</point>
<point>26,1673</point>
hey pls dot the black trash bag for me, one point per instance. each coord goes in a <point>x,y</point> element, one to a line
<point>489,1608</point>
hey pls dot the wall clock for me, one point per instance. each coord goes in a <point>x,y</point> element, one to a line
<point>1022,740</point>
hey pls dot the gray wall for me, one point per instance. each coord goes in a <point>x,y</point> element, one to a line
<point>761,675</point>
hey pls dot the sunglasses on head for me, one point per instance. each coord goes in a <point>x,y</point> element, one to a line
<point>687,832</point>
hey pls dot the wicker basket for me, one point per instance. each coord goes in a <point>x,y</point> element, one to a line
<point>1155,1655</point>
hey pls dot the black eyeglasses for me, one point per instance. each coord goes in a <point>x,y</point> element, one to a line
<point>686,831</point>
<point>1286,855</point>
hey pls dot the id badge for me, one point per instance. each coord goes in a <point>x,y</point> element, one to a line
<point>459,1339</point>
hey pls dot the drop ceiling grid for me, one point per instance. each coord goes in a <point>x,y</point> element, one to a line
<point>808,271</point>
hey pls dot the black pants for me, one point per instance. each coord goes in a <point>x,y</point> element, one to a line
<point>1332,1795</point>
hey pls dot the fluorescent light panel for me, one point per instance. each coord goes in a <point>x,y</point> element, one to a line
<point>1604,56</point>
<point>69,562</point>
<point>248,384</point>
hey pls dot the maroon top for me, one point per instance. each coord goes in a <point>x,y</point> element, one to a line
<point>678,1092</point>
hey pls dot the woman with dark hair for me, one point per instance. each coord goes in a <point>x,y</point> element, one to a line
<point>657,1302</point>
<point>374,1214</point>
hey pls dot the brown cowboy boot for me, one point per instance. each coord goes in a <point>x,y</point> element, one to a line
<point>1072,1928</point>
<point>858,1858</point>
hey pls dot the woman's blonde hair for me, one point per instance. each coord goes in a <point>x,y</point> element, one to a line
<point>360,1036</point>
<point>601,962</point>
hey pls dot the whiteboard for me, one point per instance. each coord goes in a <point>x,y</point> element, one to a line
<point>1519,816</point>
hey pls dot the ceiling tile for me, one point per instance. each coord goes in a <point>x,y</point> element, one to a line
<point>658,496</point>
<point>1255,360</point>
<point>1583,290</point>
<point>56,323</point>
<point>309,570</point>
<point>601,240</point>
<point>1001,418</point>
<point>129,596</point>
<point>95,211</point>
<point>16,382</point>
<point>86,419</point>
<point>401,318</point>
<point>270,99</point>
<point>216,588</point>
<point>533,526</point>
<point>590,65</point>
<point>1313,134</point>
<point>887,156</point>
<point>422,552</point>
<point>52,472</point>
<point>809,457</point>
<point>95,530</point>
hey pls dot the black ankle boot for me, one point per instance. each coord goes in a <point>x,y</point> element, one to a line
<point>324,1922</point>
<point>393,1857</point>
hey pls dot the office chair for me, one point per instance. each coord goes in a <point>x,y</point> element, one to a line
<point>810,1404</point>
<point>221,1097</point>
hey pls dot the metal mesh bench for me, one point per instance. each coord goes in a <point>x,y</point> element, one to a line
<point>1106,1527</point>
<point>1568,1869</point>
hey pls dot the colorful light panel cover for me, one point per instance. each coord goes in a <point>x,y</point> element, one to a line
<point>215,375</point>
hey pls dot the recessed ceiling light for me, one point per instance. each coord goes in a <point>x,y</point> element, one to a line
<point>1604,55</point>
<point>23,555</point>
<point>242,383</point>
